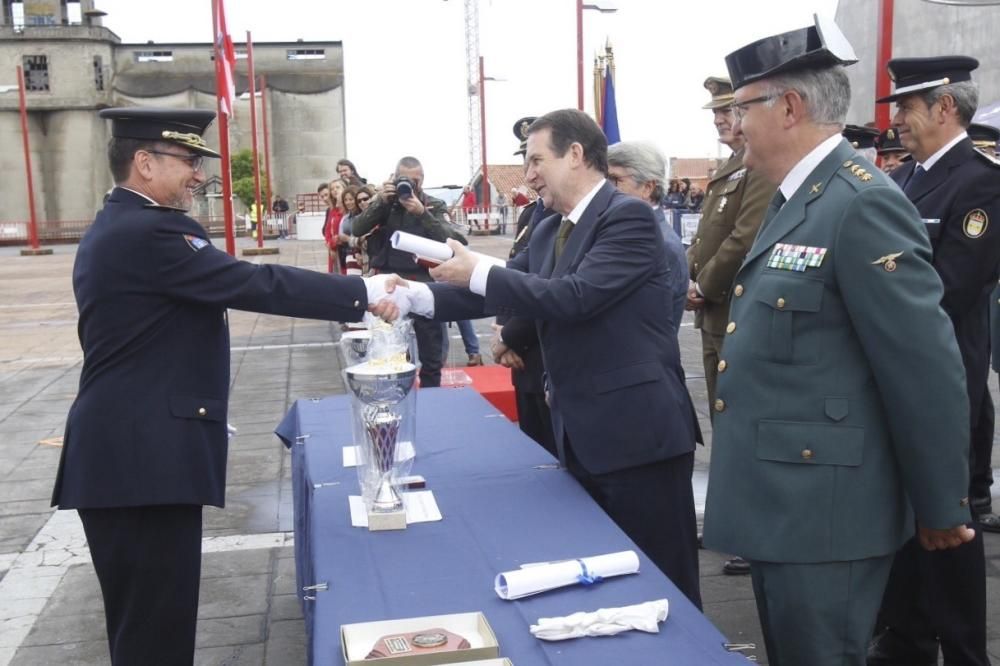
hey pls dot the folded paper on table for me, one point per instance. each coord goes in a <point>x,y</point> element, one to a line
<point>603,622</point>
<point>536,578</point>
<point>420,507</point>
<point>432,250</point>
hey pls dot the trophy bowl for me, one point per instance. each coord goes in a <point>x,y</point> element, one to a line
<point>381,384</point>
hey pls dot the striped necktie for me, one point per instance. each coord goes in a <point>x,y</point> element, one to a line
<point>565,229</point>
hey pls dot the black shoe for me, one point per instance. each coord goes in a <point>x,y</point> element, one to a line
<point>990,522</point>
<point>889,649</point>
<point>736,567</point>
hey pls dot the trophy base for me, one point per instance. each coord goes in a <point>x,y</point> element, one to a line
<point>379,521</point>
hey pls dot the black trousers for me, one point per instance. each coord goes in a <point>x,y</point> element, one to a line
<point>936,598</point>
<point>430,349</point>
<point>148,562</point>
<point>654,505</point>
<point>534,419</point>
<point>981,456</point>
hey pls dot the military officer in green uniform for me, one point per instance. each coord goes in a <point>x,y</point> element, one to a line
<point>828,441</point>
<point>734,206</point>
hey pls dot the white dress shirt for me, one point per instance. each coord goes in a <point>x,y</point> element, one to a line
<point>793,181</point>
<point>932,160</point>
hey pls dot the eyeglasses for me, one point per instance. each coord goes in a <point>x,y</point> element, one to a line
<point>740,108</point>
<point>194,161</point>
<point>362,200</point>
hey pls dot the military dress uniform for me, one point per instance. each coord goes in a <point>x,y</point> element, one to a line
<point>145,444</point>
<point>825,443</point>
<point>940,597</point>
<point>734,206</point>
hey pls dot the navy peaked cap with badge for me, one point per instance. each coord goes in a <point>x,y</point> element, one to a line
<point>816,47</point>
<point>915,74</point>
<point>859,136</point>
<point>888,142</point>
<point>521,132</point>
<point>983,136</point>
<point>183,127</point>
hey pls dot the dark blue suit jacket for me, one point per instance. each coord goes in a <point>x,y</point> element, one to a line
<point>604,324</point>
<point>149,422</point>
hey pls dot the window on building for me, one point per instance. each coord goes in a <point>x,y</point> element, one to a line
<point>241,54</point>
<point>154,56</point>
<point>16,15</point>
<point>98,73</point>
<point>36,73</point>
<point>307,54</point>
<point>73,14</point>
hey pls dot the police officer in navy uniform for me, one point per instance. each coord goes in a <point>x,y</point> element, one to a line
<point>939,598</point>
<point>890,151</point>
<point>145,444</point>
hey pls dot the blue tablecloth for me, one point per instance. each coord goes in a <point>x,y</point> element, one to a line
<point>500,509</point>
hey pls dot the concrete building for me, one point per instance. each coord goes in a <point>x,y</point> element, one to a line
<point>920,29</point>
<point>74,65</point>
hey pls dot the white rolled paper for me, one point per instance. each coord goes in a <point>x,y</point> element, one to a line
<point>432,250</point>
<point>537,578</point>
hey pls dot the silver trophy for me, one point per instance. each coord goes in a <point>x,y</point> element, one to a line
<point>381,389</point>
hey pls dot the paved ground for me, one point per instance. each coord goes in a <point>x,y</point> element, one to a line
<point>50,608</point>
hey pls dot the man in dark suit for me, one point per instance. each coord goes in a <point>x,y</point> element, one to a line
<point>940,598</point>
<point>145,444</point>
<point>595,279</point>
<point>823,436</point>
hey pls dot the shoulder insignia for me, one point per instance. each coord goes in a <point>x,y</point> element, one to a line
<point>196,243</point>
<point>975,223</point>
<point>161,207</point>
<point>888,262</point>
<point>989,158</point>
<point>858,171</point>
<point>815,188</point>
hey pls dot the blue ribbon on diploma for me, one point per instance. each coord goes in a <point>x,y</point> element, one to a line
<point>585,578</point>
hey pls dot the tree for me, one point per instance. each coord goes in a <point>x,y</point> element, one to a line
<point>241,164</point>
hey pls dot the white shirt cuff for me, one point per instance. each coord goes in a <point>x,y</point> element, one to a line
<point>421,300</point>
<point>480,274</point>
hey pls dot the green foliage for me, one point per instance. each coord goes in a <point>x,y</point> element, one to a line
<point>242,169</point>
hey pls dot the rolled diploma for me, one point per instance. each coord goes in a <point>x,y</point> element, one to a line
<point>543,577</point>
<point>432,250</point>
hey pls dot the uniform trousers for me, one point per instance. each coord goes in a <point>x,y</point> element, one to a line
<point>818,614</point>
<point>148,562</point>
<point>711,352</point>
<point>654,505</point>
<point>936,597</point>
<point>981,456</point>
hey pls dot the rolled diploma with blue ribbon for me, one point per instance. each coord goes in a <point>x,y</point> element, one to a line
<point>536,578</point>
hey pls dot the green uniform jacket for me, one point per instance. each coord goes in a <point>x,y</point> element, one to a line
<point>731,215</point>
<point>843,398</point>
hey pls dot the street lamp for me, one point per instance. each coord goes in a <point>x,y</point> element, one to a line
<point>606,7</point>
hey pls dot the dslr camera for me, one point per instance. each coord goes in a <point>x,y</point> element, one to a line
<point>404,187</point>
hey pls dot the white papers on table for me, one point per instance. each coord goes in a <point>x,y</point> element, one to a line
<point>546,576</point>
<point>404,451</point>
<point>420,507</point>
<point>432,250</point>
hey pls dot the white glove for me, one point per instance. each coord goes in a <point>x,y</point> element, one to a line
<point>416,298</point>
<point>604,622</point>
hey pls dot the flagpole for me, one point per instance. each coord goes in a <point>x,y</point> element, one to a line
<point>227,176</point>
<point>267,149</point>
<point>34,248</point>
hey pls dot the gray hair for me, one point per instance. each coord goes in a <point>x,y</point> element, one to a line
<point>644,162</point>
<point>965,94</point>
<point>826,92</point>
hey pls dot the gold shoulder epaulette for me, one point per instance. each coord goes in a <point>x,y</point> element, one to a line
<point>858,171</point>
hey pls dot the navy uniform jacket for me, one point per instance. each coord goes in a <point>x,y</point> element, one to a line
<point>841,397</point>
<point>959,199</point>
<point>149,422</point>
<point>603,319</point>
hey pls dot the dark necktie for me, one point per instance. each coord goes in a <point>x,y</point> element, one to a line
<point>565,229</point>
<point>915,178</point>
<point>777,201</point>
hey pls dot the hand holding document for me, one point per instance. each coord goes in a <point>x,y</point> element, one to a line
<point>432,251</point>
<point>536,578</point>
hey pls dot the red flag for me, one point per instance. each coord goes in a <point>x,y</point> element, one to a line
<point>225,86</point>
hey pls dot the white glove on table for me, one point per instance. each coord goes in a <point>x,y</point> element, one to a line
<point>604,622</point>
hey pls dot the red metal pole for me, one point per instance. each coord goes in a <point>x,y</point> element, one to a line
<point>267,149</point>
<point>33,220</point>
<point>482,142</point>
<point>225,167</point>
<point>259,213</point>
<point>884,49</point>
<point>579,54</point>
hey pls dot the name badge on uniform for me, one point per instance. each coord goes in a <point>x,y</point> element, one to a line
<point>787,257</point>
<point>931,220</point>
<point>736,175</point>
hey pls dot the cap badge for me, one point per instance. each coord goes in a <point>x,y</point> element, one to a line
<point>189,139</point>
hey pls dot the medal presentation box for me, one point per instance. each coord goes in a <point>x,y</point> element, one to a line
<point>420,641</point>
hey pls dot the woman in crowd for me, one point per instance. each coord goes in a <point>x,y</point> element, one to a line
<point>349,173</point>
<point>348,242</point>
<point>331,228</point>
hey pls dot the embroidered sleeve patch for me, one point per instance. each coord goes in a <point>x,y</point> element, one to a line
<point>195,243</point>
<point>975,223</point>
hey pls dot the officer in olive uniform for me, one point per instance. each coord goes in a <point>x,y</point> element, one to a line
<point>145,444</point>
<point>734,206</point>
<point>890,151</point>
<point>519,335</point>
<point>940,598</point>
<point>827,440</point>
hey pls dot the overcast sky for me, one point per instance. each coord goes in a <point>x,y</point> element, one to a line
<point>405,82</point>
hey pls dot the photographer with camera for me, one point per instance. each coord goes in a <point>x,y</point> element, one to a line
<point>403,206</point>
